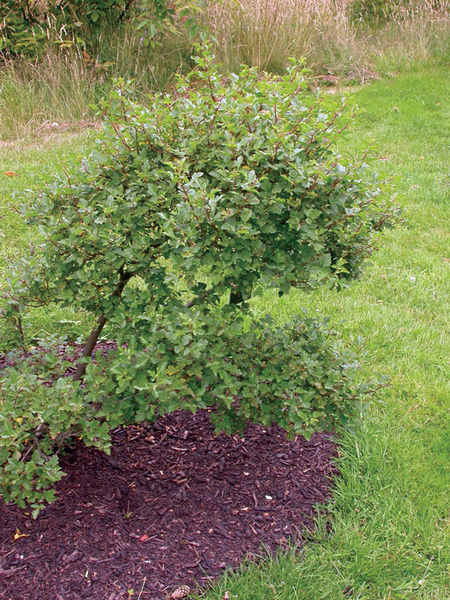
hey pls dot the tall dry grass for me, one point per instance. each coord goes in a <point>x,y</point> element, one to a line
<point>57,91</point>
<point>265,33</point>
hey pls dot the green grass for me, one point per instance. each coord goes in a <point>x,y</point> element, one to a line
<point>33,163</point>
<point>389,536</point>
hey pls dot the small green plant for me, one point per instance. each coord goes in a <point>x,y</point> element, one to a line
<point>188,208</point>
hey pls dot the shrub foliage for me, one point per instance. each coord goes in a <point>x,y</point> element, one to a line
<point>27,26</point>
<point>188,208</point>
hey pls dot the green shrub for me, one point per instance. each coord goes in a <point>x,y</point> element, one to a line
<point>188,208</point>
<point>37,417</point>
<point>26,27</point>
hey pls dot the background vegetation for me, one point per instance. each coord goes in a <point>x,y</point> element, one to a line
<point>58,62</point>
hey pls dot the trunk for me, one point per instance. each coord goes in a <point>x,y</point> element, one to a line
<point>89,347</point>
<point>95,333</point>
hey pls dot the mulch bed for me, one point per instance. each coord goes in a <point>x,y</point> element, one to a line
<point>173,505</point>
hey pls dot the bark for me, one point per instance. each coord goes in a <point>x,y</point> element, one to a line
<point>96,331</point>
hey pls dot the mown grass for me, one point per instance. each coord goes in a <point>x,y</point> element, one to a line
<point>388,538</point>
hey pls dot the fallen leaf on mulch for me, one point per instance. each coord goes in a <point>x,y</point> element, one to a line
<point>19,535</point>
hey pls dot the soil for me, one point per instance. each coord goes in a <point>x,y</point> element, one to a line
<point>173,505</point>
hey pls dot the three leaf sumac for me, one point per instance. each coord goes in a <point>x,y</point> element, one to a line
<point>188,207</point>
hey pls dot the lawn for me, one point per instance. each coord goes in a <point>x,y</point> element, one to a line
<point>388,538</point>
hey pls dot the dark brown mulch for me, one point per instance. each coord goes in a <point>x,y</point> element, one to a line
<point>173,505</point>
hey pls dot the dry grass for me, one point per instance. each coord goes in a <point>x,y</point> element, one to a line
<point>265,32</point>
<point>63,85</point>
<point>33,95</point>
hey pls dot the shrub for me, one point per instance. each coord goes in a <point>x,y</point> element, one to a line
<point>188,208</point>
<point>26,27</point>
